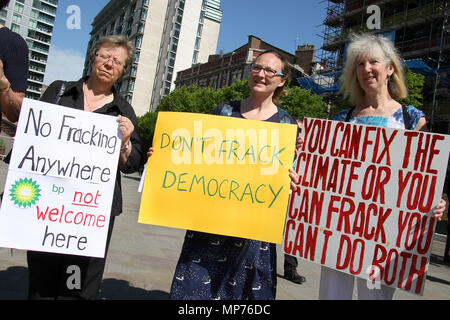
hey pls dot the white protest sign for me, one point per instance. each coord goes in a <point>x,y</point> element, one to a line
<point>365,200</point>
<point>59,189</point>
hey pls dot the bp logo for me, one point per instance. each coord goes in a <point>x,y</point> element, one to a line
<point>25,192</point>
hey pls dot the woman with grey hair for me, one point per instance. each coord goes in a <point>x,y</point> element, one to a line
<point>110,58</point>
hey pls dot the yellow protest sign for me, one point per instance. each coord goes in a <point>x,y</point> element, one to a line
<point>219,175</point>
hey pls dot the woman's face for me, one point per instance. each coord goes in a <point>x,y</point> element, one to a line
<point>109,63</point>
<point>373,73</point>
<point>260,82</point>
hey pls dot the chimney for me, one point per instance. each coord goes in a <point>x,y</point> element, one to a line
<point>304,56</point>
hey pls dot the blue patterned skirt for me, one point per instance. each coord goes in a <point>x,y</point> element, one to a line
<point>213,267</point>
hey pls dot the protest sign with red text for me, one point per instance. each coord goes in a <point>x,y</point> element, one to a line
<point>59,189</point>
<point>365,199</point>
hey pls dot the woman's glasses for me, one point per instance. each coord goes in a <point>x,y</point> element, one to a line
<point>268,72</point>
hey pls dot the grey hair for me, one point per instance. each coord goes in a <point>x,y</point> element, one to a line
<point>366,45</point>
<point>118,40</point>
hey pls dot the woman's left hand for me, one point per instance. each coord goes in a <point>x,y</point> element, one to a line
<point>439,210</point>
<point>126,128</point>
<point>294,179</point>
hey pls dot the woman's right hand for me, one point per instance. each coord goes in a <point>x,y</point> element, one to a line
<point>150,151</point>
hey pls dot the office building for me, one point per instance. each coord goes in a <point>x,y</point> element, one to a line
<point>169,35</point>
<point>34,21</point>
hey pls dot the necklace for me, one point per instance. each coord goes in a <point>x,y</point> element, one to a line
<point>91,104</point>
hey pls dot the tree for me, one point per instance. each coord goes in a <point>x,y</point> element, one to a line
<point>301,103</point>
<point>147,124</point>
<point>414,83</point>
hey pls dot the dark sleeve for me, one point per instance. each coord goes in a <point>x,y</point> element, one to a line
<point>135,159</point>
<point>51,92</point>
<point>16,63</point>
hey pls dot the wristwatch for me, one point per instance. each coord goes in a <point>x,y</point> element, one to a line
<point>125,147</point>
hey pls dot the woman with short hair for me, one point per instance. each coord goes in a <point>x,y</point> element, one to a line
<point>110,58</point>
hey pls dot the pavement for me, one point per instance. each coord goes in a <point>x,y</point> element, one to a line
<point>142,259</point>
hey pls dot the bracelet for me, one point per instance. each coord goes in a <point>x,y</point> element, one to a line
<point>3,90</point>
<point>125,147</point>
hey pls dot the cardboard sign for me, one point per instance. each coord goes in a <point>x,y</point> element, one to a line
<point>60,183</point>
<point>365,200</point>
<point>219,175</point>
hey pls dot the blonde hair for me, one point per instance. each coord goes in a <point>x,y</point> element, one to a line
<point>364,45</point>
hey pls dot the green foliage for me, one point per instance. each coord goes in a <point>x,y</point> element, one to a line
<point>147,124</point>
<point>301,103</point>
<point>414,83</point>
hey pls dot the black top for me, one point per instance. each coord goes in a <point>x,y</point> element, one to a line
<point>14,56</point>
<point>73,98</point>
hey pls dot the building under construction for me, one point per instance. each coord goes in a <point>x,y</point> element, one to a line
<point>417,27</point>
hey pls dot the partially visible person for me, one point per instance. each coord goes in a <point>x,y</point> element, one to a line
<point>110,58</point>
<point>13,70</point>
<point>290,262</point>
<point>373,79</point>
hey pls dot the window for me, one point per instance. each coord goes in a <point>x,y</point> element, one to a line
<point>195,57</point>
<point>15,28</point>
<point>197,43</point>
<point>138,41</point>
<point>133,70</point>
<point>131,85</point>
<point>236,75</point>
<point>18,8</point>
<point>32,24</point>
<point>136,56</point>
<point>34,13</point>
<point>172,59</point>
<point>144,14</point>
<point>213,82</point>
<point>17,18</point>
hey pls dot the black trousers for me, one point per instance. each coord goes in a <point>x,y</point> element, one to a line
<point>290,263</point>
<point>54,276</point>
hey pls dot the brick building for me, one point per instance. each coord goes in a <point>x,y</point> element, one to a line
<point>224,69</point>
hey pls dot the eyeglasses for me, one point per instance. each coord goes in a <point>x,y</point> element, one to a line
<point>105,58</point>
<point>268,72</point>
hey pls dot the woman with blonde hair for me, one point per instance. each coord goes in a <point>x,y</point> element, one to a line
<point>373,80</point>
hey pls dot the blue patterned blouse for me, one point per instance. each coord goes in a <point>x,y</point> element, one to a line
<point>395,121</point>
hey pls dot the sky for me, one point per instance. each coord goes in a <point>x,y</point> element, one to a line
<point>282,23</point>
